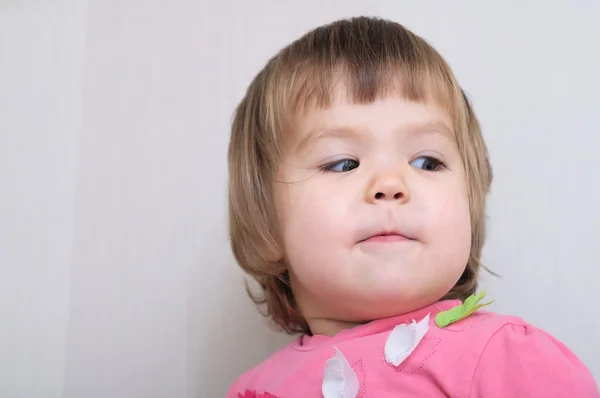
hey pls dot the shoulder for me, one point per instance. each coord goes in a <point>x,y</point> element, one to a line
<point>504,356</point>
<point>249,383</point>
<point>260,380</point>
<point>519,359</point>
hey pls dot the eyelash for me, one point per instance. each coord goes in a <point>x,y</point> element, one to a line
<point>329,167</point>
<point>440,165</point>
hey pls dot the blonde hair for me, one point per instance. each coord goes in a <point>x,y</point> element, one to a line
<point>371,58</point>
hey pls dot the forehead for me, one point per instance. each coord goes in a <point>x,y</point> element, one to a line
<point>385,116</point>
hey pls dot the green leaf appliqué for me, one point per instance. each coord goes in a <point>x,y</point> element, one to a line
<point>470,305</point>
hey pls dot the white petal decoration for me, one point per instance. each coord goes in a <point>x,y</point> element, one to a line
<point>404,339</point>
<point>340,381</point>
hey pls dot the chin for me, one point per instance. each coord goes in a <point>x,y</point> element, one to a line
<point>385,306</point>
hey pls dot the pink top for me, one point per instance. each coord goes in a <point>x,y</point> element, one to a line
<point>484,355</point>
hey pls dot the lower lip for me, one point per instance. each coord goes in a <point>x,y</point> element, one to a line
<point>386,239</point>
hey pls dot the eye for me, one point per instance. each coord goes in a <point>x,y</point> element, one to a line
<point>341,166</point>
<point>428,163</point>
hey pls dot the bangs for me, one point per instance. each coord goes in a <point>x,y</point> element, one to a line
<point>368,61</point>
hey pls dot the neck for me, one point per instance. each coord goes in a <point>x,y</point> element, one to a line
<point>329,327</point>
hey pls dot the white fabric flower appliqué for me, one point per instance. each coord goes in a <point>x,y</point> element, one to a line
<point>403,340</point>
<point>340,381</point>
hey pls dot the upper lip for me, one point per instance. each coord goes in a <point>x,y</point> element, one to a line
<point>384,232</point>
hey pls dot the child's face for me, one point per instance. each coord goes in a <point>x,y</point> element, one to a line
<point>351,174</point>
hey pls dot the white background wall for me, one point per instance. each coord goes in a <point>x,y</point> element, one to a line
<point>116,277</point>
<point>41,74</point>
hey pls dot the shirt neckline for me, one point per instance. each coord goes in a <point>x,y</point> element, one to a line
<point>309,343</point>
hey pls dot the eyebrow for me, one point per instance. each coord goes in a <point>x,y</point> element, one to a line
<point>344,132</point>
<point>324,132</point>
<point>433,127</point>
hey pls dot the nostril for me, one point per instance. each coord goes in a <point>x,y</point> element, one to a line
<point>379,195</point>
<point>398,195</point>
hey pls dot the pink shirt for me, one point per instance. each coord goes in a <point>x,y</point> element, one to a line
<point>484,355</point>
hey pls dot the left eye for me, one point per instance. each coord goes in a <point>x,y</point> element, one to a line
<point>341,166</point>
<point>428,163</point>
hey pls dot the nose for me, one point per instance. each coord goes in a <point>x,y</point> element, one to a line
<point>387,187</point>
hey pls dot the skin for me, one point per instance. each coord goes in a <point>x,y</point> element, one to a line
<point>373,208</point>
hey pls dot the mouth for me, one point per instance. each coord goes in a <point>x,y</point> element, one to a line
<point>386,237</point>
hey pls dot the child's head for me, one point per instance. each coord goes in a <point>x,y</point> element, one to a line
<point>355,131</point>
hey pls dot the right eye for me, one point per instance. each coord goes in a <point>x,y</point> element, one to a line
<point>340,166</point>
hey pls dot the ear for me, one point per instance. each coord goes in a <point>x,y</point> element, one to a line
<point>275,254</point>
<point>271,249</point>
<point>275,247</point>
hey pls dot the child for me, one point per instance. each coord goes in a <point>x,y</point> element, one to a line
<point>358,180</point>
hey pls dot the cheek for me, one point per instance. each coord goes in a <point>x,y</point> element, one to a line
<point>313,214</point>
<point>442,219</point>
<point>314,222</point>
<point>452,219</point>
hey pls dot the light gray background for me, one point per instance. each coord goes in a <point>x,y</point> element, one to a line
<point>116,276</point>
